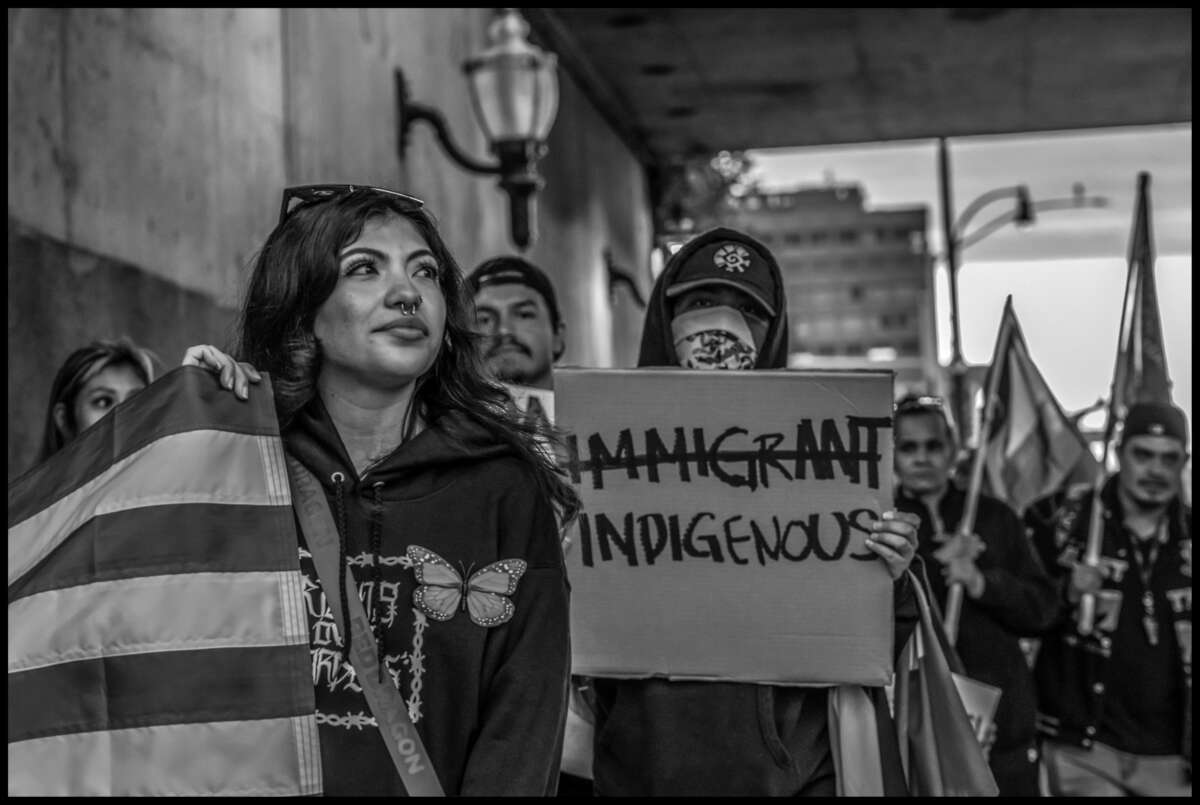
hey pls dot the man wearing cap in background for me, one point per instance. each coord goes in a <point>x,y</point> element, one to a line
<point>516,309</point>
<point>1115,705</point>
<point>1007,593</point>
<point>719,304</point>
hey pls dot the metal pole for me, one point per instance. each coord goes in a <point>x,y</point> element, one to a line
<point>957,368</point>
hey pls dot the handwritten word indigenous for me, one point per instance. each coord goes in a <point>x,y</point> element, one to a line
<point>817,450</point>
<point>647,538</point>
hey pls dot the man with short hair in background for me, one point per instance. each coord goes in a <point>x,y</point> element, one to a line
<point>1115,703</point>
<point>517,310</point>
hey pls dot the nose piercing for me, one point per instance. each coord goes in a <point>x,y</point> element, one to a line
<point>410,309</point>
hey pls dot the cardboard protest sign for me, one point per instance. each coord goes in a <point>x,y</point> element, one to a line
<point>723,525</point>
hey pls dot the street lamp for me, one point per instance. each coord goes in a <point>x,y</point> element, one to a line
<point>1022,213</point>
<point>514,91</point>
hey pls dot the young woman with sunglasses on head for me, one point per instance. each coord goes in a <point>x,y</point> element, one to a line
<point>92,381</point>
<point>357,311</point>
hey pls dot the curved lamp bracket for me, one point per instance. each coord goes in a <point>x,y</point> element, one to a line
<point>410,112</point>
<point>516,166</point>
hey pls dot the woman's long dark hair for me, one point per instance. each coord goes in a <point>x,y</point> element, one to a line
<point>295,273</point>
<point>81,366</point>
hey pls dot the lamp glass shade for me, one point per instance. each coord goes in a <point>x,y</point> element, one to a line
<point>513,85</point>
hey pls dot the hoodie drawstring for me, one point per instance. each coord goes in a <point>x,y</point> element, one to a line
<point>339,501</point>
<point>377,573</point>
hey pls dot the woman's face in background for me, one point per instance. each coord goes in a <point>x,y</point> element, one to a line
<point>103,391</point>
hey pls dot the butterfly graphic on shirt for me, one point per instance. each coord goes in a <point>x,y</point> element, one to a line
<point>484,595</point>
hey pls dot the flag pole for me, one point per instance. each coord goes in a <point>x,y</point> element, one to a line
<point>966,525</point>
<point>1091,551</point>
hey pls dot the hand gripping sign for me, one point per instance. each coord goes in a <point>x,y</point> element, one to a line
<point>723,525</point>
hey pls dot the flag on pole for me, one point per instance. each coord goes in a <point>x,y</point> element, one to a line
<point>157,636</point>
<point>1032,447</point>
<point>1140,374</point>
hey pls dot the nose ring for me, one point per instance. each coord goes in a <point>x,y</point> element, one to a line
<point>410,309</point>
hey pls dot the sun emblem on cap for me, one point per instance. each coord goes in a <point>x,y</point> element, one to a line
<point>1157,429</point>
<point>732,257</point>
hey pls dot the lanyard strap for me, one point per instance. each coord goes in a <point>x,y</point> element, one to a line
<point>1146,570</point>
<point>387,705</point>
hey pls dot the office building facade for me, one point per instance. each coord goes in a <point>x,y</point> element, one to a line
<point>859,282</point>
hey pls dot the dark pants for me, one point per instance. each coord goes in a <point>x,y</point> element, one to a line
<point>1016,770</point>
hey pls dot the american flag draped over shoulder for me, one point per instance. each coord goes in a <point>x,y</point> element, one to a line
<point>157,637</point>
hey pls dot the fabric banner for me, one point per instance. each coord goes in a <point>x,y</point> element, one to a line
<point>1140,374</point>
<point>157,642</point>
<point>939,747</point>
<point>1032,447</point>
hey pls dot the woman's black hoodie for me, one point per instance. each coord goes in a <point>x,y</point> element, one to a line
<point>489,703</point>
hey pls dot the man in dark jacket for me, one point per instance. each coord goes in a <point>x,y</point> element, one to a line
<point>516,310</point>
<point>1115,703</point>
<point>719,304</point>
<point>1007,593</point>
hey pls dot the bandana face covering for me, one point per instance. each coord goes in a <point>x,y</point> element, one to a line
<point>713,338</point>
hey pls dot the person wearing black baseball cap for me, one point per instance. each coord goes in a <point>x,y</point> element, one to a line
<point>517,312</point>
<point>1115,703</point>
<point>719,304</point>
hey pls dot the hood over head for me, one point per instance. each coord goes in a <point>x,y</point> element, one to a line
<point>720,256</point>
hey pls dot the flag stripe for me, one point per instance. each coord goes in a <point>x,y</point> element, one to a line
<point>158,641</point>
<point>153,540</point>
<point>201,466</point>
<point>166,687</point>
<point>175,612</point>
<point>260,759</point>
<point>187,398</point>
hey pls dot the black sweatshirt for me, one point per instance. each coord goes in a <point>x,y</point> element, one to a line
<point>489,703</point>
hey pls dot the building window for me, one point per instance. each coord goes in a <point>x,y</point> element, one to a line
<point>848,236</point>
<point>856,293</point>
<point>793,238</point>
<point>820,237</point>
<point>916,241</point>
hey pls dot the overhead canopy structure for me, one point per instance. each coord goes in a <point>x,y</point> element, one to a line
<point>677,82</point>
